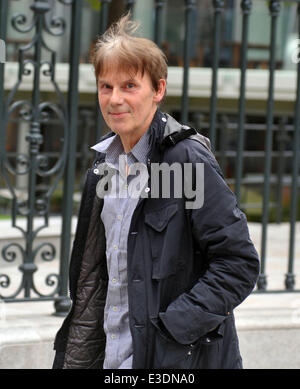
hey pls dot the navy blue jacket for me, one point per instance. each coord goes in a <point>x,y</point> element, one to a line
<point>187,270</point>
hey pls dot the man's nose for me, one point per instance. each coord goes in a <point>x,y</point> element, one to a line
<point>116,96</point>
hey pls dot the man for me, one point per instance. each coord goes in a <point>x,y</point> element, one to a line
<point>153,281</point>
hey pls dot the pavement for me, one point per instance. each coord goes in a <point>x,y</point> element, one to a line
<point>268,324</point>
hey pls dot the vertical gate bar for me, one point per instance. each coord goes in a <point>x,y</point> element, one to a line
<point>129,5</point>
<point>158,29</point>
<point>35,139</point>
<point>246,6</point>
<point>3,21</point>
<point>3,27</point>
<point>189,9</point>
<point>223,136</point>
<point>103,27</point>
<point>218,7</point>
<point>280,168</point>
<point>62,302</point>
<point>274,7</point>
<point>104,15</point>
<point>290,276</point>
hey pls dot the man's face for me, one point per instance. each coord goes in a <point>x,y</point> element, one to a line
<point>128,102</point>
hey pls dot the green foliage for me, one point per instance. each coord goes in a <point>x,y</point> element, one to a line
<point>94,4</point>
<point>255,214</point>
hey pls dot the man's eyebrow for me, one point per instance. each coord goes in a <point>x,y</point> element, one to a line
<point>130,80</point>
<point>103,81</point>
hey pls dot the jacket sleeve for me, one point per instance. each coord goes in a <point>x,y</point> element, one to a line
<point>220,230</point>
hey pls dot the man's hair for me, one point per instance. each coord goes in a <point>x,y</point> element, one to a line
<point>119,49</point>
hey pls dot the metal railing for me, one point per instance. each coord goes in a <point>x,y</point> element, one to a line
<point>35,112</point>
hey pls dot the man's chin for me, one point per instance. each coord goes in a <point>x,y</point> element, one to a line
<point>120,130</point>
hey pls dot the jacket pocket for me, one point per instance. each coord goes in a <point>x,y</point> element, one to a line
<point>164,240</point>
<point>203,354</point>
<point>168,354</point>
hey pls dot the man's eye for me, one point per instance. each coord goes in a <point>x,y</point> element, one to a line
<point>105,86</point>
<point>130,85</point>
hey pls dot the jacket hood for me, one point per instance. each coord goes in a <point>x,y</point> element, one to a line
<point>172,126</point>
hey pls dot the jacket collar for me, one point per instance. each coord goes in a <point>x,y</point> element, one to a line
<point>161,126</point>
<point>156,135</point>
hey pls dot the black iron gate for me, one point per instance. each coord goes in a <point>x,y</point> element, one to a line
<point>35,164</point>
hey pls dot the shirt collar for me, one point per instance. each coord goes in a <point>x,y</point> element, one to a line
<point>141,149</point>
<point>113,147</point>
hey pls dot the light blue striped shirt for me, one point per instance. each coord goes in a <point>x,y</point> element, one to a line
<point>116,215</point>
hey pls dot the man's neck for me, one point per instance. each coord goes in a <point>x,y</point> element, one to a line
<point>130,140</point>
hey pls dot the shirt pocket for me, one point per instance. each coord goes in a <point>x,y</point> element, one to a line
<point>164,240</point>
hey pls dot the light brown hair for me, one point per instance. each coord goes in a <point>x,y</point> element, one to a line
<point>118,48</point>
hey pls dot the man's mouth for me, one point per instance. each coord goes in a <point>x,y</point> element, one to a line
<point>118,114</point>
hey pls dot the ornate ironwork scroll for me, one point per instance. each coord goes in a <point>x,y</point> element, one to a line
<point>34,165</point>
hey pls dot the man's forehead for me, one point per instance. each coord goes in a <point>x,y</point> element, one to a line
<point>120,75</point>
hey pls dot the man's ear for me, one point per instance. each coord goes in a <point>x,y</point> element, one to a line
<point>160,92</point>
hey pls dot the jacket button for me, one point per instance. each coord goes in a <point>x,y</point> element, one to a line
<point>96,171</point>
<point>139,325</point>
<point>208,340</point>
